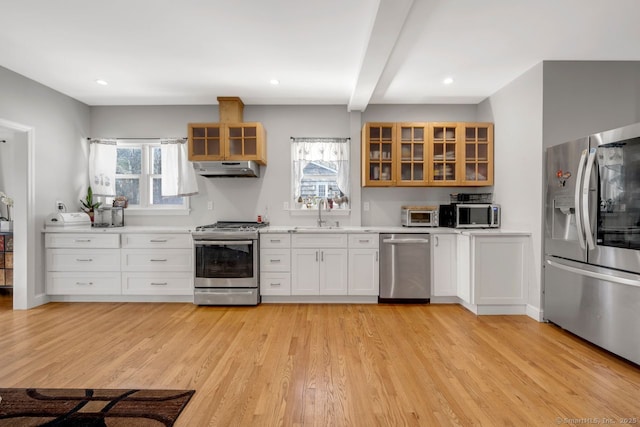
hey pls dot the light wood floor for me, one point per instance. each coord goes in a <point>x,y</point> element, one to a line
<point>329,365</point>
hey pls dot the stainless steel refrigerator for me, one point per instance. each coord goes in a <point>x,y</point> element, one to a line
<point>592,239</point>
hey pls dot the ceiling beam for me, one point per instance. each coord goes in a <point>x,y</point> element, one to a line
<point>386,29</point>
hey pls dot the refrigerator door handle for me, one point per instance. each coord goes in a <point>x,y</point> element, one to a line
<point>578,191</point>
<point>620,278</point>
<point>591,244</point>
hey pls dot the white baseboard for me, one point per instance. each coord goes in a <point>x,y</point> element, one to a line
<point>535,313</point>
<point>320,299</point>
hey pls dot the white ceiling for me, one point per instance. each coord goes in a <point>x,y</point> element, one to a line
<point>346,52</point>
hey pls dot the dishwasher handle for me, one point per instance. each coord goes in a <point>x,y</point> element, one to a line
<point>405,241</point>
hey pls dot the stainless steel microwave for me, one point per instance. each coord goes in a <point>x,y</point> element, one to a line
<point>472,215</point>
<point>419,216</point>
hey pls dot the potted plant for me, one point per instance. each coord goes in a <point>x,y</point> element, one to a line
<point>88,204</point>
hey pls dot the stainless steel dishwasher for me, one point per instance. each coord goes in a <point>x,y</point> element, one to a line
<point>405,268</point>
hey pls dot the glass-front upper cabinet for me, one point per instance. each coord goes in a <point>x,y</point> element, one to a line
<point>205,141</point>
<point>378,154</point>
<point>245,141</point>
<point>478,154</point>
<point>444,154</point>
<point>412,153</point>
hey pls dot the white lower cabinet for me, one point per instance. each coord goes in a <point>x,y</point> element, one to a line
<point>82,264</point>
<point>495,273</point>
<point>364,264</point>
<point>275,264</point>
<point>319,264</point>
<point>443,266</point>
<point>159,264</point>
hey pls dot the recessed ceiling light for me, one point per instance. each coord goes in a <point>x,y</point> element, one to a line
<point>102,82</point>
<point>274,82</point>
<point>448,81</point>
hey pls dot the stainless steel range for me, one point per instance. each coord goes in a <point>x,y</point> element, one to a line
<point>226,263</point>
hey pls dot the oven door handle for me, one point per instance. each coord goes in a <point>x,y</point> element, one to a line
<point>221,242</point>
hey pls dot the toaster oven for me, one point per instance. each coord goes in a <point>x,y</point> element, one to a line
<point>419,216</point>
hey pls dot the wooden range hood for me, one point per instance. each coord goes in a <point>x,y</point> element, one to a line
<point>231,109</point>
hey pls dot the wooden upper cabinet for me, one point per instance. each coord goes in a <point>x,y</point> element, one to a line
<point>444,154</point>
<point>205,141</point>
<point>427,154</point>
<point>227,141</point>
<point>379,153</point>
<point>477,158</point>
<point>412,154</point>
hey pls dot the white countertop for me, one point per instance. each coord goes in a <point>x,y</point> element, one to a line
<point>295,229</point>
<point>125,229</point>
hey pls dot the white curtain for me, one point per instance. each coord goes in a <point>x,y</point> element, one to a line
<point>102,167</point>
<point>333,150</point>
<point>178,176</point>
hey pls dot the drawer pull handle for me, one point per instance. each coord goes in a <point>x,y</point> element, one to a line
<point>274,260</point>
<point>84,259</point>
<point>158,240</point>
<point>84,283</point>
<point>83,240</point>
<point>363,241</point>
<point>276,284</point>
<point>159,284</point>
<point>158,260</point>
<point>275,240</point>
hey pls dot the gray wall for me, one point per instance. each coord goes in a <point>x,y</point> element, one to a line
<point>585,97</point>
<point>55,168</point>
<point>516,111</point>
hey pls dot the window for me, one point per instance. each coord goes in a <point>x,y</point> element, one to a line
<point>320,171</point>
<point>138,176</point>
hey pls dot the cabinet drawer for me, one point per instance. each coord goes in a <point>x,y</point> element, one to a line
<point>83,260</point>
<point>319,240</point>
<point>157,260</point>
<point>65,283</point>
<point>275,240</point>
<point>275,260</point>
<point>157,240</point>
<point>275,284</point>
<point>81,240</point>
<point>140,283</point>
<point>365,240</point>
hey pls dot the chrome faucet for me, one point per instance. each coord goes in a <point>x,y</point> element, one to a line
<point>320,220</point>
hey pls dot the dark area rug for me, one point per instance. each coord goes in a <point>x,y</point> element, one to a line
<point>22,407</point>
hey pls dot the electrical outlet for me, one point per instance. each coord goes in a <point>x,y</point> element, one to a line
<point>210,206</point>
<point>60,207</point>
<point>285,206</point>
<point>366,206</point>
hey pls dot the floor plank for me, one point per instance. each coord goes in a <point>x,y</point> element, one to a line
<point>321,364</point>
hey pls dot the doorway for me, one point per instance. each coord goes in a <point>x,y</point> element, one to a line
<point>16,180</point>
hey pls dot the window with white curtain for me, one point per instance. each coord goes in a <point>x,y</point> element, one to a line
<point>320,171</point>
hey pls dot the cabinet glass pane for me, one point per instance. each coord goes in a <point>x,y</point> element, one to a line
<point>386,134</point>
<point>418,174</point>
<point>198,132</point>
<point>199,147</point>
<point>450,172</point>
<point>483,152</point>
<point>405,172</point>
<point>213,147</point>
<point>470,172</point>
<point>482,134</point>
<point>235,132</point>
<point>451,151</point>
<point>386,172</point>
<point>374,133</point>
<point>418,152</point>
<point>235,147</point>
<point>250,132</point>
<point>470,134</point>
<point>483,172</point>
<point>250,146</point>
<point>374,172</point>
<point>406,151</point>
<point>374,151</point>
<point>386,151</point>
<point>470,151</point>
<point>438,133</point>
<point>418,134</point>
<point>438,152</point>
<point>406,134</point>
<point>438,172</point>
<point>213,132</point>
